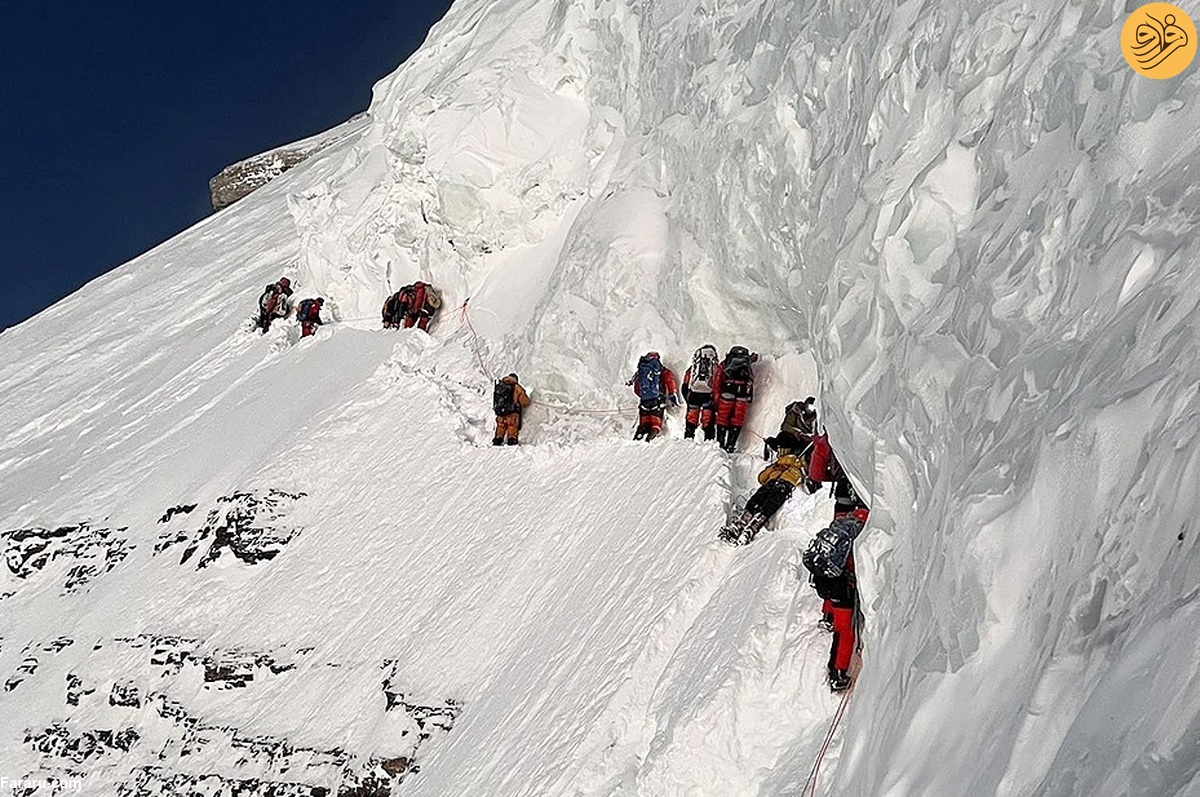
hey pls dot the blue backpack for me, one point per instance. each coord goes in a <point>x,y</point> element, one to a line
<point>649,380</point>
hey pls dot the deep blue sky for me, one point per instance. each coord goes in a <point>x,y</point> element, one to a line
<point>114,115</point>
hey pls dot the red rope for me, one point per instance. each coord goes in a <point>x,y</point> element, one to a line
<point>816,767</point>
<point>464,316</point>
<point>578,411</point>
<point>856,667</point>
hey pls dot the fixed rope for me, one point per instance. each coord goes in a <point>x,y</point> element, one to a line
<point>810,785</point>
<point>567,408</point>
<point>464,316</point>
<point>465,319</point>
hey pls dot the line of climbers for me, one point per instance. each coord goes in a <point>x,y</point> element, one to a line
<point>276,302</point>
<point>412,305</point>
<point>805,459</point>
<point>718,393</point>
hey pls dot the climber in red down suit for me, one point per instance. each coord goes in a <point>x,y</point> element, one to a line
<point>654,384</point>
<point>830,561</point>
<point>419,303</point>
<point>733,386</point>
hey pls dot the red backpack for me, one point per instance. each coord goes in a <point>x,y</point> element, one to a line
<point>818,462</point>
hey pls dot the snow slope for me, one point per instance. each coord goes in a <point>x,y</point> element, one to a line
<point>972,217</point>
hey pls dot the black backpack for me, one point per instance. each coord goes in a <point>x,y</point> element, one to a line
<point>827,553</point>
<point>504,398</point>
<point>737,380</point>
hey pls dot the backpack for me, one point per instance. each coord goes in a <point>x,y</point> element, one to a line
<point>839,591</point>
<point>737,380</point>
<point>704,365</point>
<point>819,460</point>
<point>826,555</point>
<point>649,380</point>
<point>504,398</point>
<point>433,297</point>
<point>844,492</point>
<point>390,307</point>
<point>269,298</point>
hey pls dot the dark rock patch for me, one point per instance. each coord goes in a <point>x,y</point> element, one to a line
<point>160,782</point>
<point>125,694</point>
<point>181,509</point>
<point>93,551</point>
<point>250,525</point>
<point>59,742</point>
<point>75,689</point>
<point>437,717</point>
<point>32,659</point>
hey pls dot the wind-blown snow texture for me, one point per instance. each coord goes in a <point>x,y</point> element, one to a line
<point>975,218</point>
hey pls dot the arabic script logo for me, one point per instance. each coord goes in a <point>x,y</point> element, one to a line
<point>1159,40</point>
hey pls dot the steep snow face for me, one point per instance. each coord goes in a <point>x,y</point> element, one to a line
<point>975,217</point>
<point>984,223</point>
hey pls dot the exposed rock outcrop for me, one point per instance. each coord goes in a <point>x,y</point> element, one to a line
<point>239,179</point>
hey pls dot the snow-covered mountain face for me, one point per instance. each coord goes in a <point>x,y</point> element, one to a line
<point>969,227</point>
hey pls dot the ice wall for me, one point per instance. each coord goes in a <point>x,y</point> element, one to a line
<point>981,220</point>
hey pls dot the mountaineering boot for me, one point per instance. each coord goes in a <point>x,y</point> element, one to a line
<point>752,527</point>
<point>497,441</point>
<point>512,441</point>
<point>689,431</point>
<point>839,680</point>
<point>731,532</point>
<point>721,430</point>
<point>710,432</point>
<point>731,438</point>
<point>742,529</point>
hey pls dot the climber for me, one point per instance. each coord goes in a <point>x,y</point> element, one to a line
<point>823,466</point>
<point>393,311</point>
<point>509,400</point>
<point>654,385</point>
<point>796,431</point>
<point>733,385</point>
<point>275,302</point>
<point>698,392</point>
<point>829,559</point>
<point>420,301</point>
<point>778,480</point>
<point>308,313</point>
